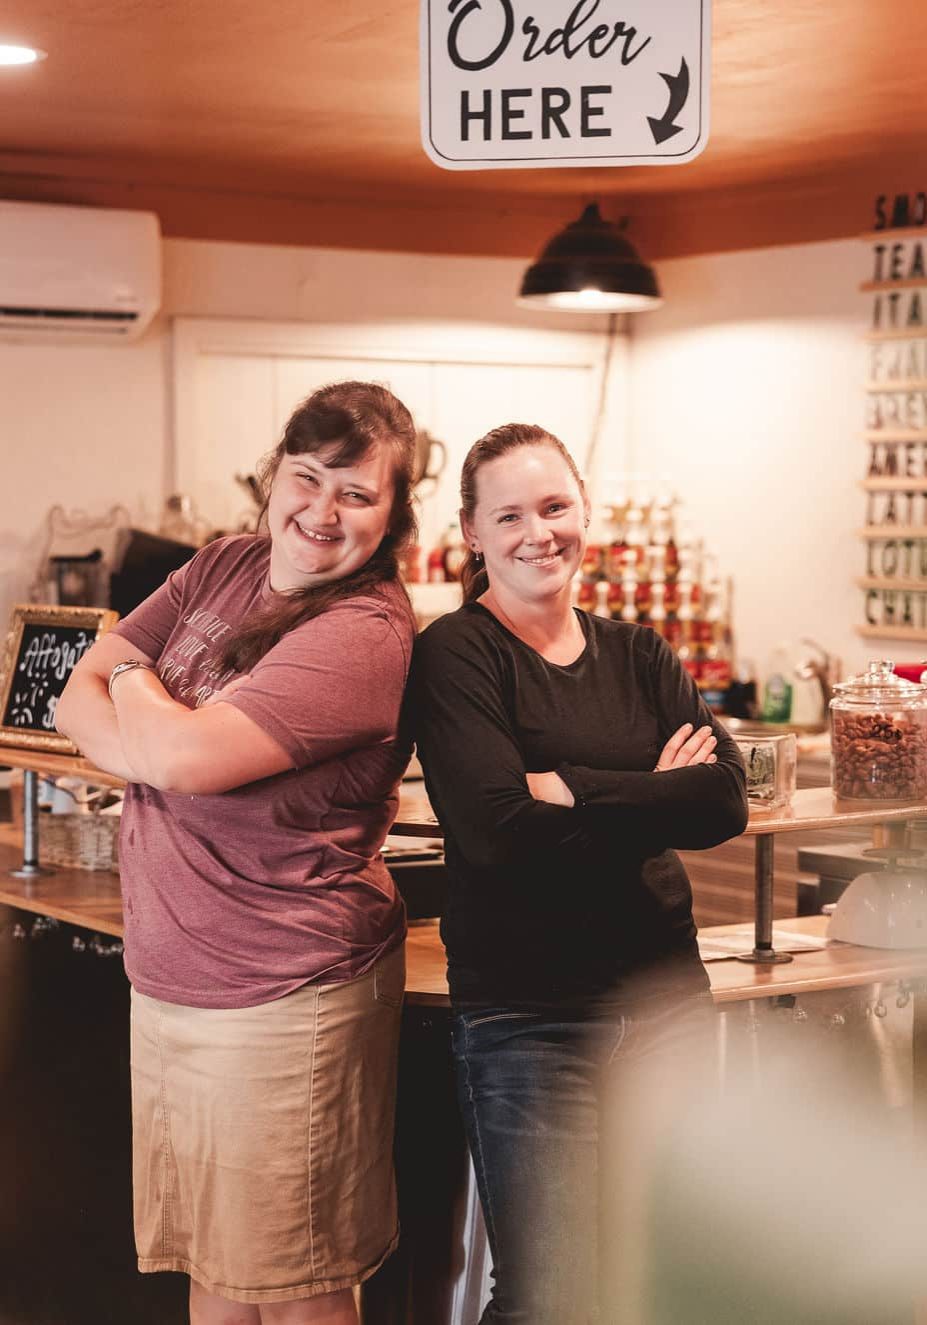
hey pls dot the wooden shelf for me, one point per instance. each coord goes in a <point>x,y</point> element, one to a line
<point>908,333</point>
<point>897,435</point>
<point>898,582</point>
<point>882,287</point>
<point>894,484</point>
<point>896,532</point>
<point>913,633</point>
<point>895,233</point>
<point>902,384</point>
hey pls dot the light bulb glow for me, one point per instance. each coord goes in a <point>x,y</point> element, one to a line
<point>10,55</point>
<point>591,301</point>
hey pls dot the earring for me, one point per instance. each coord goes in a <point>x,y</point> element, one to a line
<point>477,556</point>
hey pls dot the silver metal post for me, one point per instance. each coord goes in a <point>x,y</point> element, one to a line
<point>763,951</point>
<point>30,868</point>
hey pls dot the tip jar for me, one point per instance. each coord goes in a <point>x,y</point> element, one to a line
<point>878,729</point>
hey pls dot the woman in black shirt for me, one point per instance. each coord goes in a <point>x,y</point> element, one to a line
<point>565,756</point>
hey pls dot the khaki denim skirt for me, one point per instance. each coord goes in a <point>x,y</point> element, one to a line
<point>263,1138</point>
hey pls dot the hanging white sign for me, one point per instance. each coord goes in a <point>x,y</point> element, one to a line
<point>507,84</point>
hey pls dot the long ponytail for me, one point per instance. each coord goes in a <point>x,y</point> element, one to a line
<point>473,578</point>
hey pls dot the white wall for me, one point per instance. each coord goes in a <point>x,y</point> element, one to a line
<point>412,307</point>
<point>90,426</point>
<point>82,427</point>
<point>747,387</point>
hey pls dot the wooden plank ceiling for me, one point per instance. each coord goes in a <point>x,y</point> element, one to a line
<point>297,122</point>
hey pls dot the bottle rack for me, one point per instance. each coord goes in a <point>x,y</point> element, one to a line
<point>639,571</point>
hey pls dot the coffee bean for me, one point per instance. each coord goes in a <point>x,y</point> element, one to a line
<point>879,756</point>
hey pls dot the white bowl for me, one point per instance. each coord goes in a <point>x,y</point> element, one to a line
<point>884,909</point>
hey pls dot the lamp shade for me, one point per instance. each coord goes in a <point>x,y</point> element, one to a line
<point>590,266</point>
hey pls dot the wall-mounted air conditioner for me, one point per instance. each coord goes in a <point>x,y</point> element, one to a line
<point>77,272</point>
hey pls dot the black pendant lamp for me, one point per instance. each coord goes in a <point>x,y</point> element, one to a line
<point>590,267</point>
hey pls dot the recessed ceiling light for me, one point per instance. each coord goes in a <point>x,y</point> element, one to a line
<point>20,55</point>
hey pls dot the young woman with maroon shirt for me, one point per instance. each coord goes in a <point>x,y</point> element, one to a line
<point>252,706</point>
<point>565,756</point>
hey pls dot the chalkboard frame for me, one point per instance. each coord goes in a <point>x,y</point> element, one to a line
<point>97,620</point>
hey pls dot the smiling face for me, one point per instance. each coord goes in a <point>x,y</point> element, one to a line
<point>528,523</point>
<point>326,522</point>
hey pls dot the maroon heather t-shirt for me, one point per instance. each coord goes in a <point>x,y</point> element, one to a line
<point>235,899</point>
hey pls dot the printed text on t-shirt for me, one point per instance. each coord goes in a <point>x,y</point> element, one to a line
<point>188,667</point>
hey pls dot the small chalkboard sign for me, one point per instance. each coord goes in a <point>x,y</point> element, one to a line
<point>43,646</point>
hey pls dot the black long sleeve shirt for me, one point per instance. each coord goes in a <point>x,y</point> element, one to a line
<point>548,903</point>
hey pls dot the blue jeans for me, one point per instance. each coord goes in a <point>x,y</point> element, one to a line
<point>546,1096</point>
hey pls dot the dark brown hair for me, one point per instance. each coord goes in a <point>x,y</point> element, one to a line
<point>497,443</point>
<point>349,418</point>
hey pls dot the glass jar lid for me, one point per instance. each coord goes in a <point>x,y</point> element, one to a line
<point>879,684</point>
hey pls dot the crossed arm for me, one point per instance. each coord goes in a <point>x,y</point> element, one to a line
<point>498,812</point>
<point>144,735</point>
<point>685,748</point>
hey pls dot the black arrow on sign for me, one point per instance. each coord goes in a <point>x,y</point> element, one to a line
<point>678,85</point>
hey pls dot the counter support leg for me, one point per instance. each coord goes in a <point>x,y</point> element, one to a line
<point>763,872</point>
<point>30,868</point>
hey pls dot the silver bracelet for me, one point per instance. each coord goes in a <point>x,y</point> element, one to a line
<point>126,667</point>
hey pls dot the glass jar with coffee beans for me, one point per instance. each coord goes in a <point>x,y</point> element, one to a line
<point>878,726</point>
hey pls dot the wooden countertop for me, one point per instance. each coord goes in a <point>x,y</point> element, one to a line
<point>838,966</point>
<point>810,808</point>
<point>81,897</point>
<point>416,818</point>
<point>818,807</point>
<point>72,766</point>
<point>91,899</point>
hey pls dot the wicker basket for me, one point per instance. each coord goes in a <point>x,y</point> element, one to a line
<point>79,841</point>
